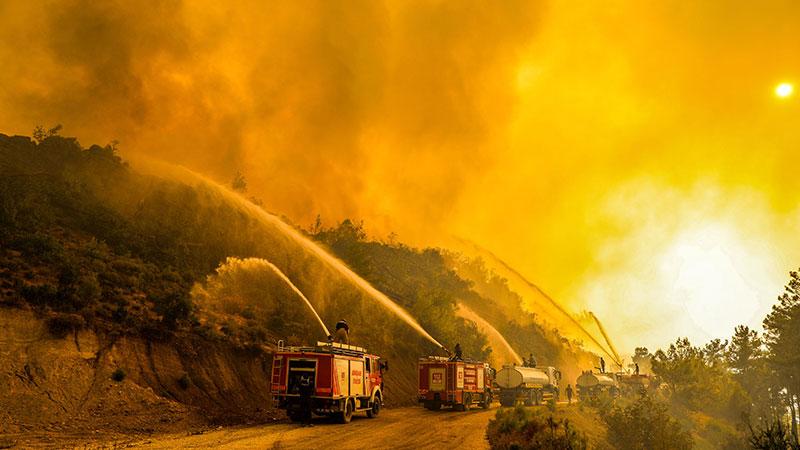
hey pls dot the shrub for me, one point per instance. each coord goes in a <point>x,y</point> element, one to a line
<point>521,429</point>
<point>184,382</point>
<point>645,424</point>
<point>60,324</point>
<point>551,404</point>
<point>772,435</point>
<point>40,295</point>
<point>118,375</point>
<point>173,307</point>
<point>39,245</point>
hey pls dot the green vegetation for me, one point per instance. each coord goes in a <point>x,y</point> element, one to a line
<point>732,394</point>
<point>722,389</point>
<point>66,253</point>
<point>524,428</point>
<point>493,299</point>
<point>417,279</point>
<point>431,282</point>
<point>645,425</point>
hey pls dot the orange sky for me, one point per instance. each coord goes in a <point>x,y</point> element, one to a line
<point>630,157</point>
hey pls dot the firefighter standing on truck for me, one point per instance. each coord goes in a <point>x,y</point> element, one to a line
<point>457,356</point>
<point>342,332</point>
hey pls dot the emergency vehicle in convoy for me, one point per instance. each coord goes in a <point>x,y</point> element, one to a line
<point>530,385</point>
<point>346,380</point>
<point>459,384</point>
<point>592,385</point>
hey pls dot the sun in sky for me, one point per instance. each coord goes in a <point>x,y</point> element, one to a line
<point>784,90</point>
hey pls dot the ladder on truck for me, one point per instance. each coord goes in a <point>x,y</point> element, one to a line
<point>277,365</point>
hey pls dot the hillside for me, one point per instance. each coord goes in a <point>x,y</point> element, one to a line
<point>162,272</point>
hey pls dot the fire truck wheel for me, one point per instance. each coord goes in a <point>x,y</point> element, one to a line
<point>433,405</point>
<point>487,400</point>
<point>376,408</point>
<point>347,412</point>
<point>530,398</point>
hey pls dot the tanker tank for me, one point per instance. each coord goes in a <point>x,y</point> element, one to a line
<point>590,385</point>
<point>527,384</point>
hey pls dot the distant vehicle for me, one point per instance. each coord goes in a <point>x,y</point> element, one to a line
<point>592,385</point>
<point>459,384</point>
<point>530,385</point>
<point>347,380</point>
<point>632,384</point>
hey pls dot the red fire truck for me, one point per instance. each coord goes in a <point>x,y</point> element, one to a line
<point>346,378</point>
<point>459,384</point>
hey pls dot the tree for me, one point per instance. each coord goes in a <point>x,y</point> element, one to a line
<point>745,357</point>
<point>680,367</point>
<point>744,349</point>
<point>239,184</point>
<point>39,133</point>
<point>782,337</point>
<point>521,428</point>
<point>645,424</point>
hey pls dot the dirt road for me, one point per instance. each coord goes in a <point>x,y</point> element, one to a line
<point>394,428</point>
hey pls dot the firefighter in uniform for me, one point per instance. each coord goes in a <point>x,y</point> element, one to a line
<point>342,332</point>
<point>602,365</point>
<point>306,400</point>
<point>569,394</point>
<point>457,356</point>
<point>531,361</point>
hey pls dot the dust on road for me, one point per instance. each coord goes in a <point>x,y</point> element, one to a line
<point>395,428</point>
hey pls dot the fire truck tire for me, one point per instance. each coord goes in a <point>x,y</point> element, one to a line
<point>487,400</point>
<point>530,398</point>
<point>295,417</point>
<point>376,407</point>
<point>347,412</point>
<point>433,405</point>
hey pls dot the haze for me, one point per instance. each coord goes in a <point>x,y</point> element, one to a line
<point>636,159</point>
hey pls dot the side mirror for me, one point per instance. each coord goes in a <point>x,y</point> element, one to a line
<point>384,365</point>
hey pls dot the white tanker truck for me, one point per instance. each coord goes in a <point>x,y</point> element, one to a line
<point>527,384</point>
<point>591,385</point>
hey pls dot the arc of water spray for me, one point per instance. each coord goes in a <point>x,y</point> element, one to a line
<point>286,279</point>
<point>608,340</point>
<point>315,249</point>
<point>544,294</point>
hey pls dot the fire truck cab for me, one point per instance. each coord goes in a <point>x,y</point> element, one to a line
<point>346,379</point>
<point>459,384</point>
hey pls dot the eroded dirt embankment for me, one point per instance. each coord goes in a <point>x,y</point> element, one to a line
<point>66,385</point>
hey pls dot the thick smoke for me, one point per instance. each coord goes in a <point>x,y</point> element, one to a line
<point>351,108</point>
